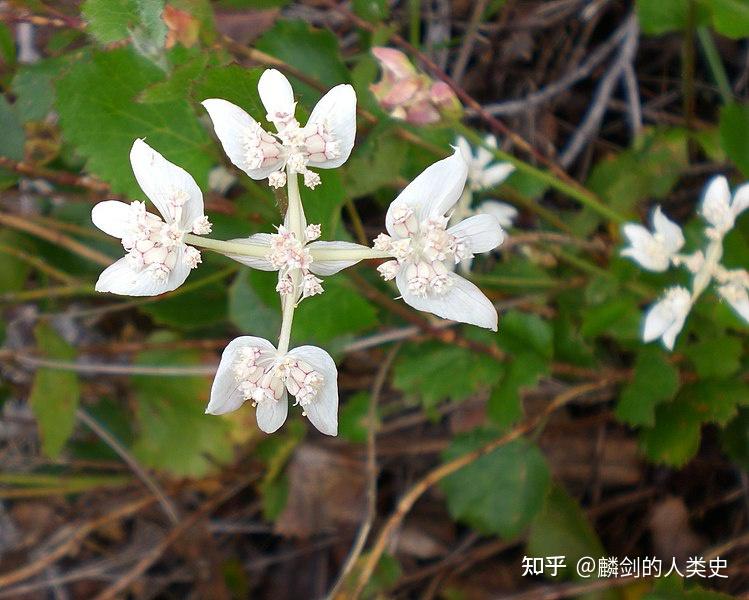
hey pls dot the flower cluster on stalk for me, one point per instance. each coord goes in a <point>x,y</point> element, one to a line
<point>423,244</point>
<point>658,250</point>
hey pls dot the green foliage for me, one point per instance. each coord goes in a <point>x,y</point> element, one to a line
<point>734,122</point>
<point>501,492</point>
<point>248,312</point>
<point>174,435</point>
<point>663,16</point>
<point>647,170</point>
<point>13,137</point>
<point>528,340</point>
<point>55,393</point>
<point>672,588</point>
<point>718,356</point>
<point>110,20</point>
<point>99,115</point>
<point>353,417</point>
<point>736,439</point>
<point>731,17</point>
<point>675,437</point>
<point>655,381</point>
<point>376,163</point>
<point>314,52</point>
<point>432,372</point>
<point>562,529</point>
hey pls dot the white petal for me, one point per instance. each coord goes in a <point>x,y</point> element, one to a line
<point>738,298</point>
<point>641,245</point>
<point>505,213</point>
<point>484,156</point>
<point>119,278</point>
<point>276,93</point>
<point>496,174</point>
<point>666,318</point>
<point>323,410</point>
<point>740,200</point>
<point>463,302</point>
<point>434,191</point>
<point>337,110</point>
<point>481,233</point>
<point>465,149</point>
<point>329,267</point>
<point>160,180</point>
<point>670,232</point>
<point>261,240</point>
<point>231,125</point>
<point>716,203</point>
<point>225,394</point>
<point>111,217</point>
<point>271,415</point>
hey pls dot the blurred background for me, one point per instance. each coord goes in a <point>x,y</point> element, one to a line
<point>462,454</point>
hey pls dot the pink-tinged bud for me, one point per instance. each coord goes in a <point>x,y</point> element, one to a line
<point>394,63</point>
<point>409,95</point>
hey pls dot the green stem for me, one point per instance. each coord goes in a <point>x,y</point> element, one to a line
<point>715,64</point>
<point>242,249</point>
<point>585,197</point>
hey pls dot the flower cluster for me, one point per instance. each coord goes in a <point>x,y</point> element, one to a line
<point>409,95</point>
<point>658,250</point>
<point>423,244</point>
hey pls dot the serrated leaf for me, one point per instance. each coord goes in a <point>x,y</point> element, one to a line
<point>501,492</point>
<point>179,83</point>
<point>377,162</point>
<point>55,393</point>
<point>434,372</point>
<point>735,439</point>
<point>174,433</point>
<point>99,115</point>
<point>655,381</point>
<point>34,88</point>
<point>525,332</point>
<point>110,20</point>
<point>235,84</point>
<point>717,357</point>
<point>353,417</point>
<point>522,372</point>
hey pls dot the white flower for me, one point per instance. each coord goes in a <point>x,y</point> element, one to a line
<point>719,209</point>
<point>482,175</point>
<point>292,257</point>
<point>325,142</point>
<point>666,317</point>
<point>505,213</point>
<point>653,251</point>
<point>157,259</point>
<point>737,296</point>
<point>252,369</point>
<point>426,250</point>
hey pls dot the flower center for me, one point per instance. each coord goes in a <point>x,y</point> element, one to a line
<point>261,376</point>
<point>152,245</point>
<point>423,249</point>
<point>289,255</point>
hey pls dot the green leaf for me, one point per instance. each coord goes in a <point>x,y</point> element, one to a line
<point>731,17</point>
<point>13,136</point>
<point>655,381</point>
<point>372,10</point>
<point>734,121</point>
<point>174,433</point>
<point>200,307</point>
<point>375,163</point>
<point>7,44</point>
<point>313,51</point>
<point>248,312</point>
<point>562,529</point>
<point>672,588</point>
<point>736,439</point>
<point>179,83</point>
<point>675,437</point>
<point>34,88</point>
<point>528,340</point>
<point>499,493</point>
<point>434,372</point>
<point>233,83</point>
<point>99,115</point>
<point>13,271</point>
<point>353,417</point>
<point>648,170</point>
<point>717,357</point>
<point>55,393</point>
<point>110,20</point>
<point>661,16</point>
